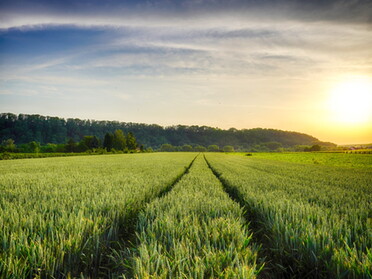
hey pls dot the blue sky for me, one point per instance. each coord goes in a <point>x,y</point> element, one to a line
<point>241,64</point>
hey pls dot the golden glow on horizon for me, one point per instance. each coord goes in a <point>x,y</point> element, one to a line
<point>351,102</point>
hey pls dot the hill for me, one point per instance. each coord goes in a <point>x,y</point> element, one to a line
<point>25,128</point>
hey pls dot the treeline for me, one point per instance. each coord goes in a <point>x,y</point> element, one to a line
<point>198,148</point>
<point>264,147</point>
<point>25,128</point>
<point>116,142</point>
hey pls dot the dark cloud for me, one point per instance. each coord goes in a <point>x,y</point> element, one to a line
<point>334,10</point>
<point>359,11</point>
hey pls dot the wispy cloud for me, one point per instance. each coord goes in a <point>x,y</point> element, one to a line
<point>180,13</point>
<point>222,60</point>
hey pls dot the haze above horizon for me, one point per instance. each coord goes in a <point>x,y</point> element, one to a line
<point>304,66</point>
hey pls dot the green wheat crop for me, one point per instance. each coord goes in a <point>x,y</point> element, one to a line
<point>169,215</point>
<point>195,231</point>
<point>315,221</point>
<point>59,216</point>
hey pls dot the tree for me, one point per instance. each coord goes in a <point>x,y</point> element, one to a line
<point>119,142</point>
<point>315,147</point>
<point>82,147</point>
<point>34,147</point>
<point>70,146</point>
<point>131,142</point>
<point>213,148</point>
<point>92,142</point>
<point>8,145</point>
<point>228,148</point>
<point>166,147</point>
<point>200,148</point>
<point>186,148</point>
<point>298,148</point>
<point>108,141</point>
<point>25,128</point>
<point>49,148</point>
<point>272,145</point>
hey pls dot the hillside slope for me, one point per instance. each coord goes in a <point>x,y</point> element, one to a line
<point>24,128</point>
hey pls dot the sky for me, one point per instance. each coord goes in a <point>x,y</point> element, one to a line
<point>294,65</point>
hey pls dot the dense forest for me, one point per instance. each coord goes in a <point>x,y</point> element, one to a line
<point>25,128</point>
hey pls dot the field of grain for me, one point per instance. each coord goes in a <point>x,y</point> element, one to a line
<point>343,160</point>
<point>313,220</point>
<point>61,216</point>
<point>186,215</point>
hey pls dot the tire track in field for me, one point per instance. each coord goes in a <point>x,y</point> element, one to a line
<point>214,243</point>
<point>122,252</point>
<point>175,181</point>
<point>259,237</point>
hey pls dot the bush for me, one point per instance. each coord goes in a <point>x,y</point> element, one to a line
<point>5,156</point>
<point>200,148</point>
<point>213,148</point>
<point>228,148</point>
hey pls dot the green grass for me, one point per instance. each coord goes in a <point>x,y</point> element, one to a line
<point>347,160</point>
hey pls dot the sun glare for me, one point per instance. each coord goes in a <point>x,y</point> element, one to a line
<point>351,101</point>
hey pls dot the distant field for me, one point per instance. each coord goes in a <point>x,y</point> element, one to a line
<point>348,160</point>
<point>187,215</point>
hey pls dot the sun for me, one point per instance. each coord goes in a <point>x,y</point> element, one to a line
<point>350,101</point>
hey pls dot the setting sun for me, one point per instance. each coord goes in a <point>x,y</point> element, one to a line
<point>351,101</point>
